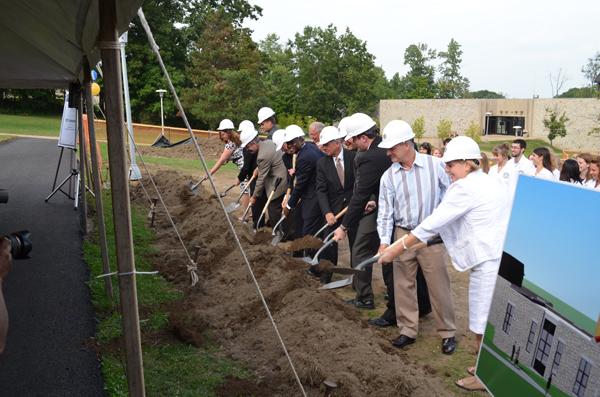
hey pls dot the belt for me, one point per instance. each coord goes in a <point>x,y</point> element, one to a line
<point>405,228</point>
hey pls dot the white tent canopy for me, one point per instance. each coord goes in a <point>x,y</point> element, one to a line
<point>43,42</point>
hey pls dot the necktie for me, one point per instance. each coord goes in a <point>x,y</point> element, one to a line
<point>340,170</point>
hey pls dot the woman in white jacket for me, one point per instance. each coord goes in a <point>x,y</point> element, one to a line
<point>471,220</point>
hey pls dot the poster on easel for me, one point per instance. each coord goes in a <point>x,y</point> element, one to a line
<point>68,126</point>
<point>541,337</point>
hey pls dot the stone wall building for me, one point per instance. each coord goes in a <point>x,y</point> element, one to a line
<point>546,342</point>
<point>501,116</point>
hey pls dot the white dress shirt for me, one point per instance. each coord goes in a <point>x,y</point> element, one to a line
<point>407,196</point>
<point>545,173</point>
<point>471,219</point>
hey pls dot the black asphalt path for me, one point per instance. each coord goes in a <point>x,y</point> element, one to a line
<point>51,317</point>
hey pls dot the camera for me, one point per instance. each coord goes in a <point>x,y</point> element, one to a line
<point>20,242</point>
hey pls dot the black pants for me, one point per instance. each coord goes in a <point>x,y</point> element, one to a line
<point>365,246</point>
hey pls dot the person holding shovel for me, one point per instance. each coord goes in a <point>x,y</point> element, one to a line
<point>471,220</point>
<point>335,184</point>
<point>270,170</point>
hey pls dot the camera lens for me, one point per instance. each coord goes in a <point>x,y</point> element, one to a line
<point>20,244</point>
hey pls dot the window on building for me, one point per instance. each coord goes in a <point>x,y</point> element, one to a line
<point>544,346</point>
<point>531,337</point>
<point>560,347</point>
<point>583,374</point>
<point>507,318</point>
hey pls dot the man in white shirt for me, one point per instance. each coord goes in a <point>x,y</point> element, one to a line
<point>518,164</point>
<point>409,192</point>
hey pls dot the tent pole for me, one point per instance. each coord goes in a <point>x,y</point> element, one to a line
<point>111,65</point>
<point>82,163</point>
<point>89,105</point>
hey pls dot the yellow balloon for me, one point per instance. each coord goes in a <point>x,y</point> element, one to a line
<point>95,89</point>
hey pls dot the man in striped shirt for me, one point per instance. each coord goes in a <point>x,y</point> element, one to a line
<point>409,191</point>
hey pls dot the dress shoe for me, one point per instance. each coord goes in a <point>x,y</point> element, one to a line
<point>449,345</point>
<point>362,304</point>
<point>380,322</point>
<point>402,341</point>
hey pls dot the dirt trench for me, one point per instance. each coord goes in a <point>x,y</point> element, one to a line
<point>325,337</point>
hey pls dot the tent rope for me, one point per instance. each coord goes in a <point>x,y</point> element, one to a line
<point>154,46</point>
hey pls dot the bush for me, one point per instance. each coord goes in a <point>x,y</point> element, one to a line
<point>474,132</point>
<point>444,129</point>
<point>283,120</point>
<point>418,127</point>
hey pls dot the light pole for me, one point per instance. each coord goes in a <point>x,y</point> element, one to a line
<point>487,122</point>
<point>134,170</point>
<point>161,92</point>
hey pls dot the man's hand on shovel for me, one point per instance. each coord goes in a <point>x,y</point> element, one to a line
<point>339,233</point>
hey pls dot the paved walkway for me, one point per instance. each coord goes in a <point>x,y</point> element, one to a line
<point>51,317</point>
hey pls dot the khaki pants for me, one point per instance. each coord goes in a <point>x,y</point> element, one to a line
<point>433,261</point>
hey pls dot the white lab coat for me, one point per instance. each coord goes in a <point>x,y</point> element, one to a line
<point>471,219</point>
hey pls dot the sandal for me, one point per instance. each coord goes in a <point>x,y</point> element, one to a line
<point>471,371</point>
<point>470,383</point>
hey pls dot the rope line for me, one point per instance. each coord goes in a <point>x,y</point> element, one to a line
<point>154,46</point>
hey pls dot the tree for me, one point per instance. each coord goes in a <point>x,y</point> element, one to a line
<point>419,82</point>
<point>555,123</point>
<point>278,76</point>
<point>474,131</point>
<point>335,75</point>
<point>451,83</point>
<point>486,94</point>
<point>444,129</point>
<point>582,92</point>
<point>557,81</point>
<point>591,69</point>
<point>224,72</point>
<point>176,25</point>
<point>418,127</point>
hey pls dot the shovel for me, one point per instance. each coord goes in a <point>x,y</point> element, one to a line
<point>227,190</point>
<point>194,186</point>
<point>246,212</point>
<point>338,216</point>
<point>236,204</point>
<point>264,210</point>
<point>433,241</point>
<point>277,235</point>
<point>339,283</point>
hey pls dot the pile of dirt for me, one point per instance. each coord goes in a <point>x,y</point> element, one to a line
<point>326,338</point>
<point>211,147</point>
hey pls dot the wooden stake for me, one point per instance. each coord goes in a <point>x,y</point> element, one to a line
<point>89,104</point>
<point>111,65</point>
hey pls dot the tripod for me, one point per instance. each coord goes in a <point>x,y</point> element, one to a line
<point>73,174</point>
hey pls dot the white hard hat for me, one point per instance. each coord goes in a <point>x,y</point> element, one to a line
<point>461,148</point>
<point>265,113</point>
<point>395,132</point>
<point>358,124</point>
<point>330,133</point>
<point>343,124</point>
<point>226,124</point>
<point>292,132</point>
<point>278,137</point>
<point>244,125</point>
<point>247,135</point>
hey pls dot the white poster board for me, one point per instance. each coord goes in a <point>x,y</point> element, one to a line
<point>68,126</point>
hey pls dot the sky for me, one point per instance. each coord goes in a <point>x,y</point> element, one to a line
<point>553,230</point>
<point>509,46</point>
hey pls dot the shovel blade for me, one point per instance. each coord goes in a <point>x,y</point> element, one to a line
<point>344,270</point>
<point>277,239</point>
<point>232,207</point>
<point>338,284</point>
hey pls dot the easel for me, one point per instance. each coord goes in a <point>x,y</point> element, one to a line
<point>68,140</point>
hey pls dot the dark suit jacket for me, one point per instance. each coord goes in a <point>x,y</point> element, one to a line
<point>332,196</point>
<point>306,173</point>
<point>368,168</point>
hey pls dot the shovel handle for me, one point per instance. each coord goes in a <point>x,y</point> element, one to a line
<point>246,212</point>
<point>278,224</point>
<point>337,217</point>
<point>433,241</point>
<point>194,186</point>
<point>224,193</point>
<point>315,260</point>
<point>245,189</point>
<point>264,210</point>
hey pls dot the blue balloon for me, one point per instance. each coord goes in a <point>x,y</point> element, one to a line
<point>94,75</point>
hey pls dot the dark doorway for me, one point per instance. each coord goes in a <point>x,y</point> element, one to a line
<point>499,125</point>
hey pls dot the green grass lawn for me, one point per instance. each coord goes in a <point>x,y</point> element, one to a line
<point>531,144</point>
<point>30,125</point>
<point>171,368</point>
